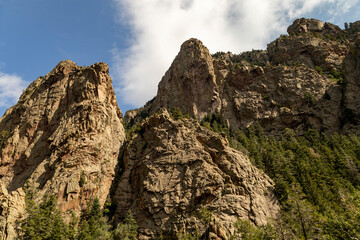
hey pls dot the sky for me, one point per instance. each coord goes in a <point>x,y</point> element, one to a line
<point>139,38</point>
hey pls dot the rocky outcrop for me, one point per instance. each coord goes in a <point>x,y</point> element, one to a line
<point>66,126</point>
<point>312,43</point>
<point>173,169</point>
<point>276,96</point>
<point>304,25</point>
<point>309,50</point>
<point>296,83</point>
<point>190,82</point>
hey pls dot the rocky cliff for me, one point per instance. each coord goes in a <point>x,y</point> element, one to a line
<point>303,80</point>
<point>174,169</point>
<point>66,126</point>
<point>66,137</point>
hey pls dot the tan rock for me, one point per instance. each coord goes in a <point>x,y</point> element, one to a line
<point>310,50</point>
<point>12,207</point>
<point>304,25</point>
<point>173,169</point>
<point>276,96</point>
<point>65,123</point>
<point>192,71</point>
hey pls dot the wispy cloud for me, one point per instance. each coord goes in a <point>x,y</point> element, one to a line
<point>160,26</point>
<point>11,87</point>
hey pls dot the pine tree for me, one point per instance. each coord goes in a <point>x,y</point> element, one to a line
<point>128,229</point>
<point>93,225</point>
<point>44,221</point>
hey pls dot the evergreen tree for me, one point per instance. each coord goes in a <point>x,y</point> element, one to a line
<point>93,224</point>
<point>126,230</point>
<point>44,221</point>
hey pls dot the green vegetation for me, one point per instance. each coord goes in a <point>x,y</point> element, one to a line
<point>316,179</point>
<point>44,221</point>
<point>319,69</point>
<point>336,76</point>
<point>128,229</point>
<point>27,92</point>
<point>93,224</point>
<point>133,127</point>
<point>82,179</point>
<point>4,135</point>
<point>284,36</point>
<point>175,113</point>
<point>215,123</point>
<point>247,231</point>
<point>317,182</point>
<point>218,54</point>
<point>309,99</point>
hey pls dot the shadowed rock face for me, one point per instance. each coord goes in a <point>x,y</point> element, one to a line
<point>173,169</point>
<point>65,125</point>
<point>351,110</point>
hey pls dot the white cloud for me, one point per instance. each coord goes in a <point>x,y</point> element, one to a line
<point>11,87</point>
<point>159,27</point>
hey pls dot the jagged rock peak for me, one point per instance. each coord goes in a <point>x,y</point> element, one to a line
<point>305,25</point>
<point>66,126</point>
<point>194,48</point>
<point>190,83</point>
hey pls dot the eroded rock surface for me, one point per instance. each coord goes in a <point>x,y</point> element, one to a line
<point>191,81</point>
<point>12,207</point>
<point>172,169</point>
<point>66,125</point>
<point>301,81</point>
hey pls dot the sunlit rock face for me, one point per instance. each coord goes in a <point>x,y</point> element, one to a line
<point>65,125</point>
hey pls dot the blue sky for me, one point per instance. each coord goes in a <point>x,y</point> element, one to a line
<point>138,38</point>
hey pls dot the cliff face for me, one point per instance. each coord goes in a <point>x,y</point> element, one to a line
<point>66,126</point>
<point>351,110</point>
<point>190,82</point>
<point>173,169</point>
<point>301,81</point>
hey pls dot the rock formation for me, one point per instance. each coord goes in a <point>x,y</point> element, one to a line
<point>12,208</point>
<point>301,81</point>
<point>172,169</point>
<point>193,73</point>
<point>66,126</point>
<point>64,135</point>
